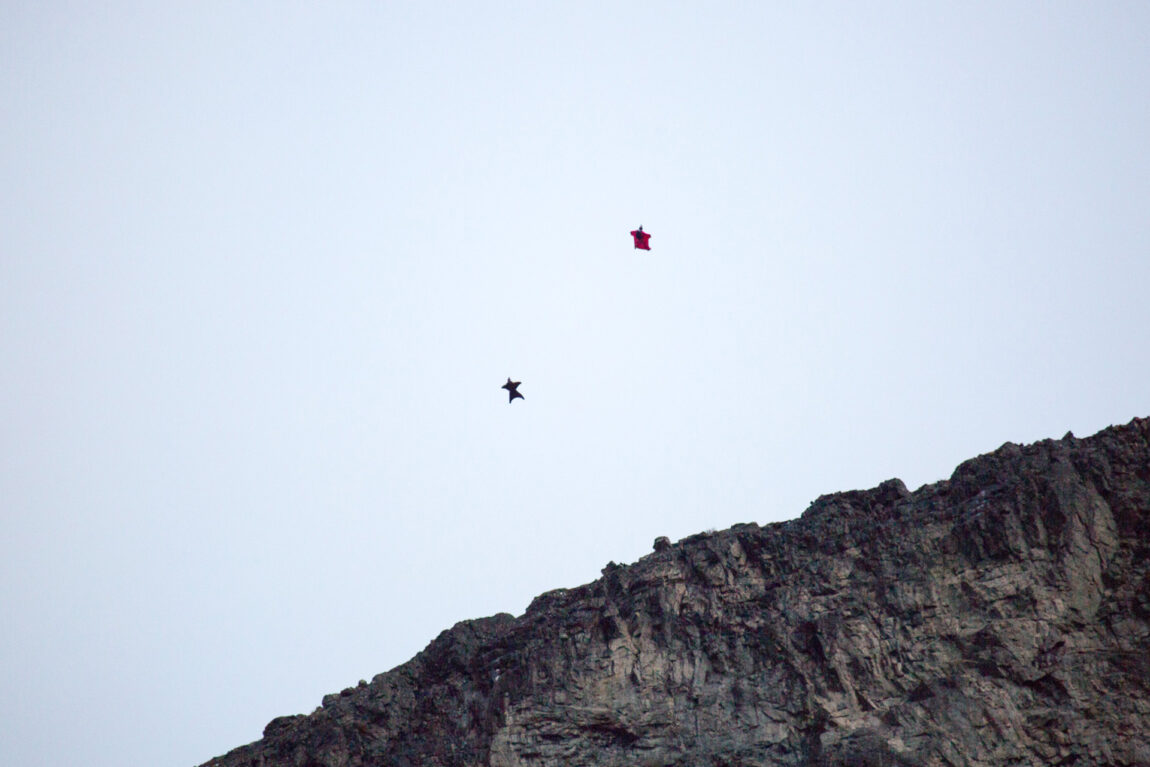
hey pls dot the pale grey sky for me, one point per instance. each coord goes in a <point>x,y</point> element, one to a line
<point>264,267</point>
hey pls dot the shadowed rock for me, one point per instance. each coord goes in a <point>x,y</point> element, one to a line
<point>999,617</point>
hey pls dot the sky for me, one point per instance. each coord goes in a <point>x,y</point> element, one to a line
<point>264,267</point>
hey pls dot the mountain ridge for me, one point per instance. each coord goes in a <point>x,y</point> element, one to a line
<point>1001,616</point>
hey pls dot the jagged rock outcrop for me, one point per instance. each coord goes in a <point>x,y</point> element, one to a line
<point>1001,617</point>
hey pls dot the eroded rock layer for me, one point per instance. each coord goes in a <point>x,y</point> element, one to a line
<point>1001,617</point>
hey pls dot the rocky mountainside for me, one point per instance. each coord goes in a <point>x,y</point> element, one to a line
<point>1001,617</point>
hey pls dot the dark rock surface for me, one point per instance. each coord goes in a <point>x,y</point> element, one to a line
<point>1001,617</point>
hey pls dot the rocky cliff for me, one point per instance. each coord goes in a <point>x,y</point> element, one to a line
<point>1000,617</point>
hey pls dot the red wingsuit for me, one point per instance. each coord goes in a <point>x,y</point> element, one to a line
<point>641,238</point>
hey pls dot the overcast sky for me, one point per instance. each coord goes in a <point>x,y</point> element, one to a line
<point>264,267</point>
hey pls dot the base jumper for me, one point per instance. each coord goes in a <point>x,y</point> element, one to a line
<point>641,238</point>
<point>512,388</point>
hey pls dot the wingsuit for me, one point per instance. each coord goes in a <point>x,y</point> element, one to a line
<point>641,238</point>
<point>512,388</point>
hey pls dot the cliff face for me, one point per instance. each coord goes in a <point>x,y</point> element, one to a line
<point>1001,617</point>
